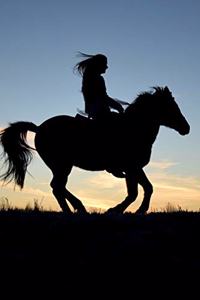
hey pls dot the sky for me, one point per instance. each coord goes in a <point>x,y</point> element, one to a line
<point>148,43</point>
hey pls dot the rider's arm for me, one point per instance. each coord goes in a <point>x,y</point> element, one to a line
<point>115,105</point>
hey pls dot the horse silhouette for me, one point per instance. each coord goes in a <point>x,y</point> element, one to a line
<point>65,141</point>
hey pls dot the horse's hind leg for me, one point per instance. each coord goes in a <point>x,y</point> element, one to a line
<point>75,202</point>
<point>58,189</point>
<point>148,190</point>
<point>61,193</point>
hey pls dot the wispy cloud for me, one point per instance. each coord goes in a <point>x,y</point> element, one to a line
<point>106,191</point>
<point>104,180</point>
<point>26,190</point>
<point>162,165</point>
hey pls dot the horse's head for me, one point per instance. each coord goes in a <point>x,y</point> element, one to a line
<point>169,113</point>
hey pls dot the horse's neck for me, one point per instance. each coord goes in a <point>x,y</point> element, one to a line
<point>145,126</point>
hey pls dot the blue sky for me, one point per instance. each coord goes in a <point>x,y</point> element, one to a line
<point>147,43</point>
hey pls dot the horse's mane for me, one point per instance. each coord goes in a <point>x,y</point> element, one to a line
<point>141,100</point>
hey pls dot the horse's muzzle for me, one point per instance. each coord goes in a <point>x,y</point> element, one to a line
<point>185,130</point>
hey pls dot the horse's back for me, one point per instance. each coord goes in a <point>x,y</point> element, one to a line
<point>63,129</point>
<point>61,123</point>
<point>57,121</point>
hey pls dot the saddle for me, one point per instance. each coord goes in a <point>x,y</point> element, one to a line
<point>114,119</point>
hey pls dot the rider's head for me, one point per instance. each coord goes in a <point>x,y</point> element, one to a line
<point>92,63</point>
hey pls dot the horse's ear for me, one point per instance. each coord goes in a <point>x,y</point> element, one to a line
<point>166,89</point>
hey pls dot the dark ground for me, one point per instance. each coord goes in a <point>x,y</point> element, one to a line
<point>95,253</point>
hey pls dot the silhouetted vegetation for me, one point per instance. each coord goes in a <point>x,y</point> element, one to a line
<point>79,248</point>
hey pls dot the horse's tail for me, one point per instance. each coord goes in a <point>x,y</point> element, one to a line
<point>17,153</point>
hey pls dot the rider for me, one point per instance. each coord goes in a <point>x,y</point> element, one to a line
<point>98,104</point>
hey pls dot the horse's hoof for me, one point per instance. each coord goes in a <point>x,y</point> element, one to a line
<point>140,212</point>
<point>113,211</point>
<point>81,212</point>
<point>110,211</point>
<point>67,213</point>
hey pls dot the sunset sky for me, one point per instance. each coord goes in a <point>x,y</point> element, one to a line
<point>148,43</point>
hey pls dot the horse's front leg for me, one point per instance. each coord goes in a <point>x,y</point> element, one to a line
<point>148,190</point>
<point>132,189</point>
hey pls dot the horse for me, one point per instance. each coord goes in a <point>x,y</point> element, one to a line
<point>123,142</point>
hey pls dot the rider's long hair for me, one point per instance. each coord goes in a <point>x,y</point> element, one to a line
<point>90,62</point>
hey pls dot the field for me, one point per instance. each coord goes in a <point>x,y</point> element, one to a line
<point>98,250</point>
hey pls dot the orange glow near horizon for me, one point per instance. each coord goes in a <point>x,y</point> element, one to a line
<point>99,191</point>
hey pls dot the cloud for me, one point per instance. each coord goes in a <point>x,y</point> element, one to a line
<point>162,165</point>
<point>105,180</point>
<point>175,181</point>
<point>26,190</point>
<point>104,190</point>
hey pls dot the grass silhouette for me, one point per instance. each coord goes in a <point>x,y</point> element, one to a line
<point>99,249</point>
